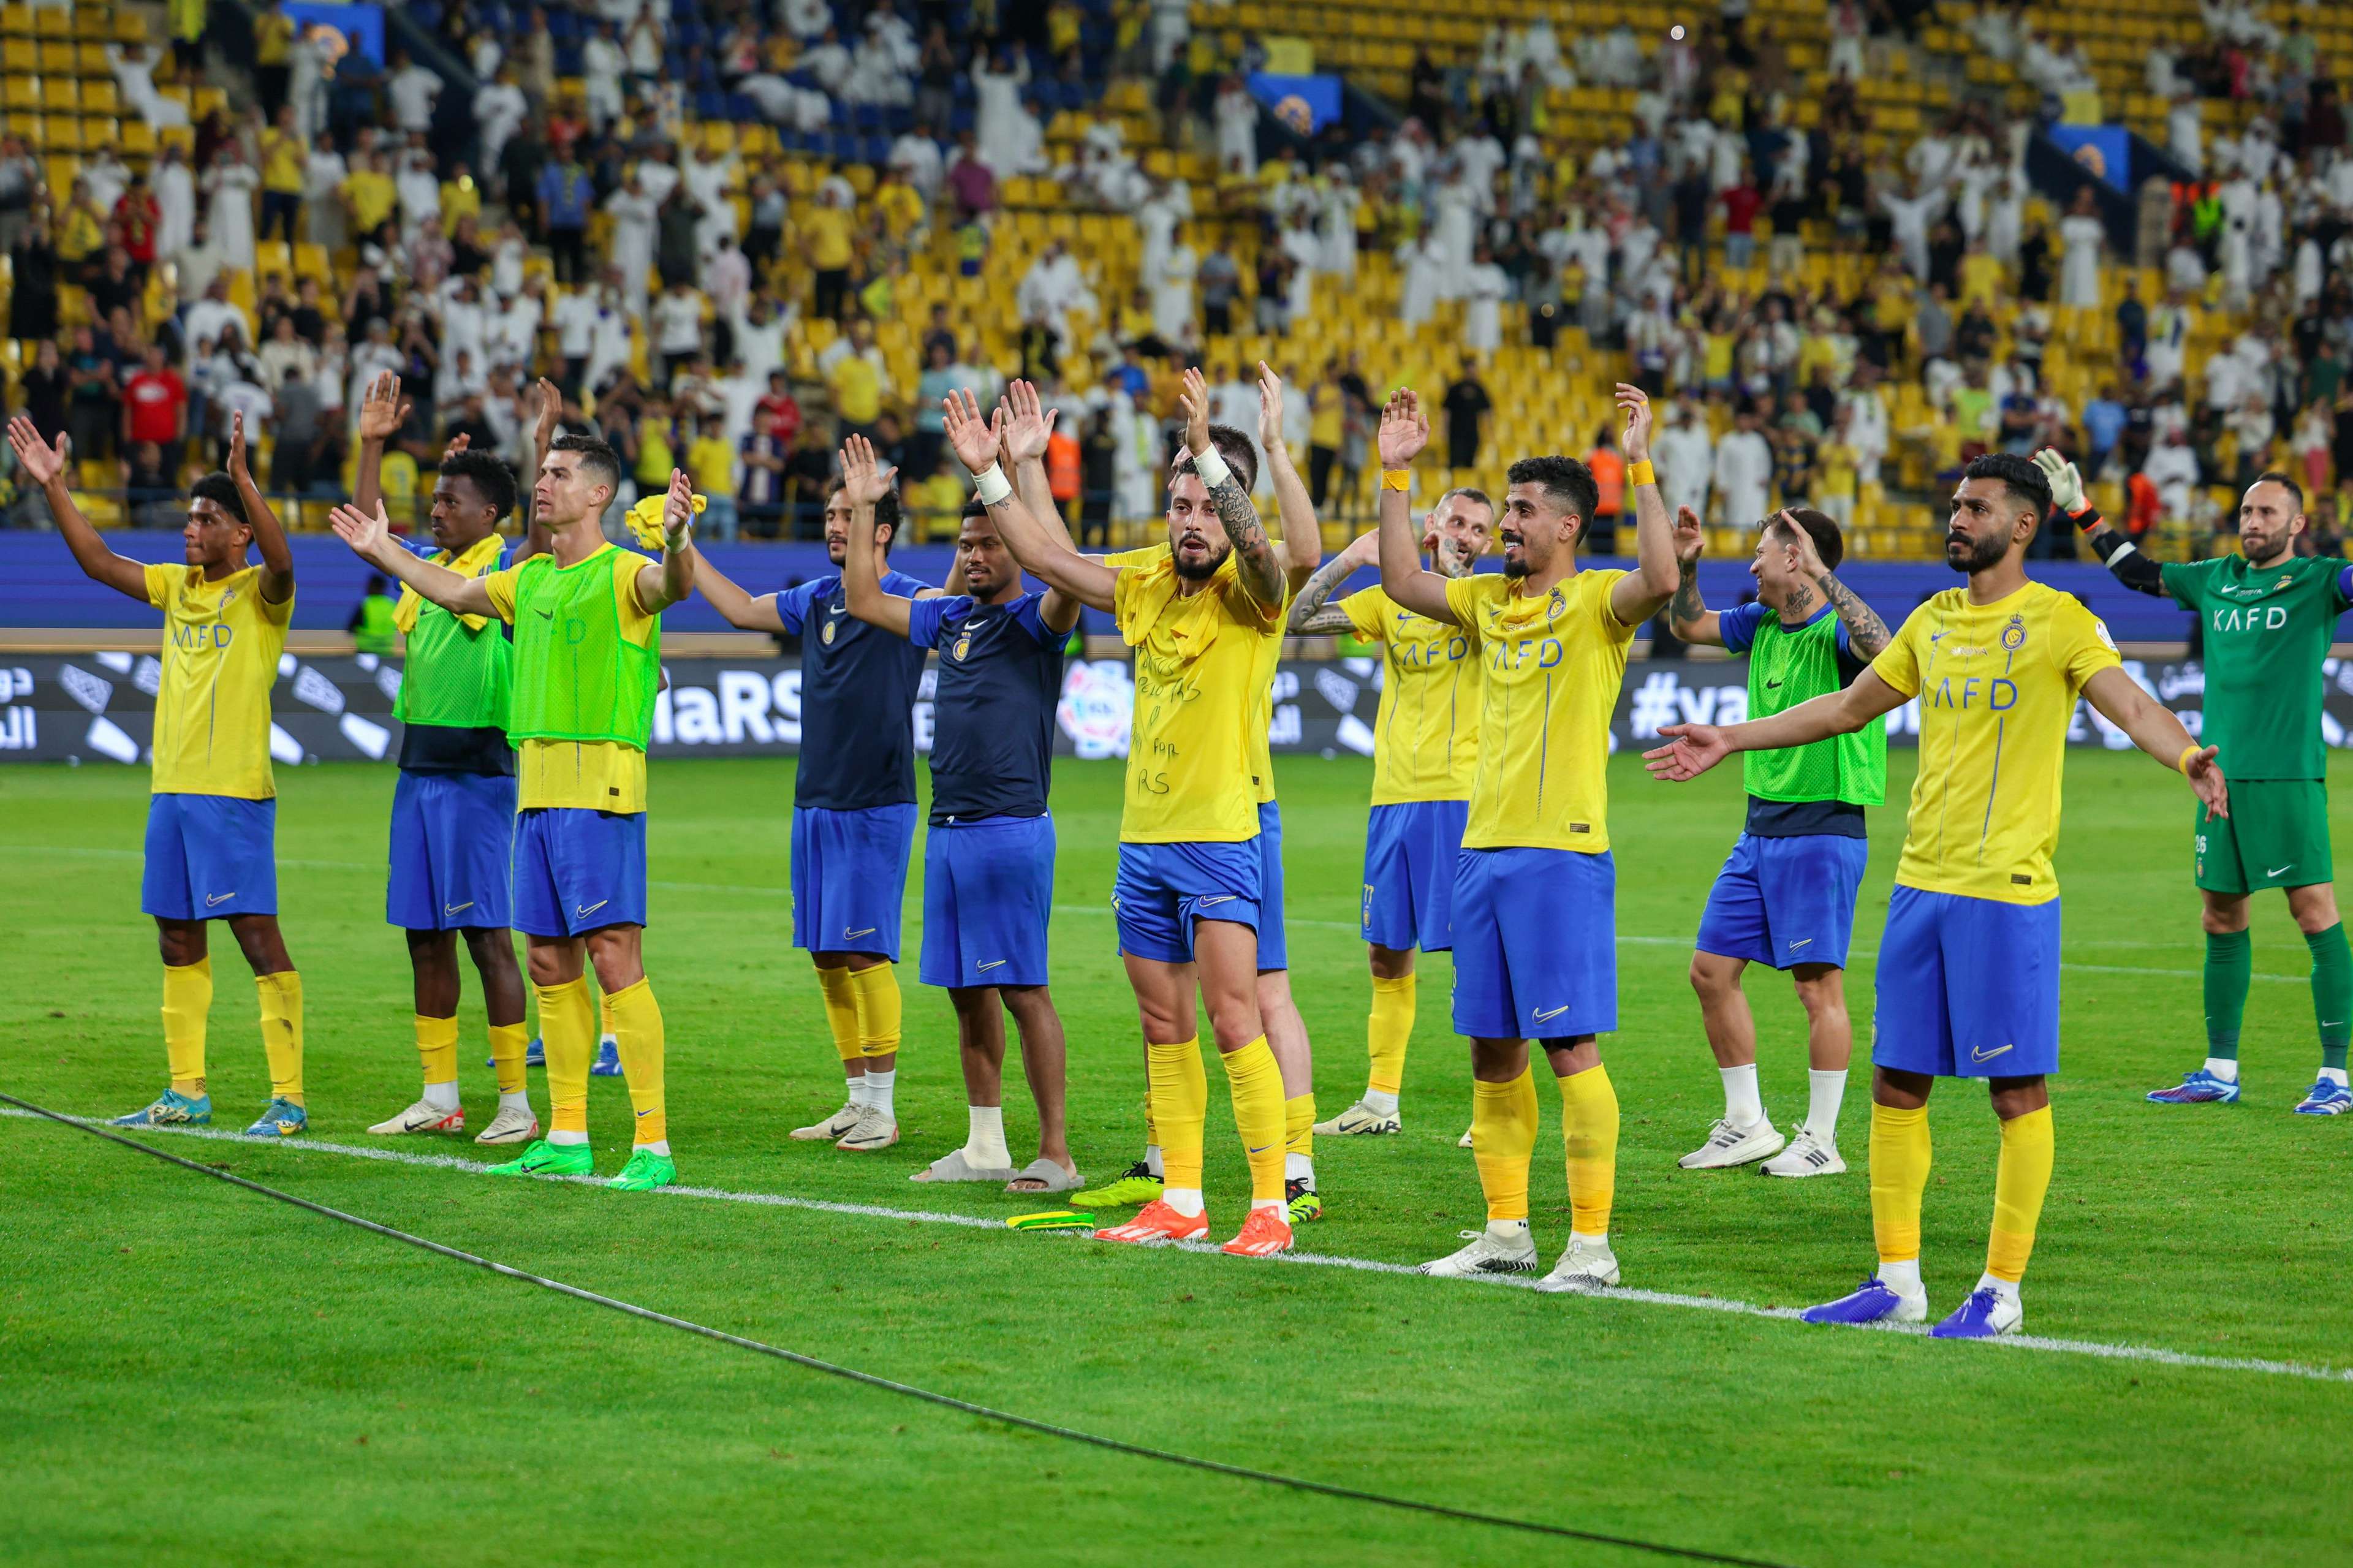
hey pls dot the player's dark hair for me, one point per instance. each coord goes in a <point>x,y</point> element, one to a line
<point>887,515</point>
<point>1470,493</point>
<point>973,507</point>
<point>1235,448</point>
<point>2025,482</point>
<point>1565,479</point>
<point>491,479</point>
<point>1829,543</point>
<point>221,490</point>
<point>598,460</point>
<point>2273,476</point>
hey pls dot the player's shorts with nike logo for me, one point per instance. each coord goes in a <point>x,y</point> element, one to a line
<point>209,857</point>
<point>1967,987</point>
<point>576,871</point>
<point>1161,890</point>
<point>849,877</point>
<point>453,855</point>
<point>1785,901</point>
<point>988,896</point>
<point>1535,943</point>
<point>2275,837</point>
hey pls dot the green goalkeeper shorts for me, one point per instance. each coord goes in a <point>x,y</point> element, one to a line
<point>2275,837</point>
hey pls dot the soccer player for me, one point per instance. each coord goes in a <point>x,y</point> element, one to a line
<point>1425,745</point>
<point>212,823</point>
<point>2270,615</point>
<point>988,857</point>
<point>1786,895</point>
<point>587,664</point>
<point>1968,968</point>
<point>1187,892</point>
<point>853,808</point>
<point>453,809</point>
<point>1535,887</point>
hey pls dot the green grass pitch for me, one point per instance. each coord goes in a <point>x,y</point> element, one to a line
<point>193,1374</point>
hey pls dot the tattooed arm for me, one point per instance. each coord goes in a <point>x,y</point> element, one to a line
<point>1687,614</point>
<point>1865,632</point>
<point>1309,614</point>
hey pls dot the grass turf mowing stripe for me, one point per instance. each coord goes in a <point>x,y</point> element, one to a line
<point>2152,1354</point>
<point>872,1380</point>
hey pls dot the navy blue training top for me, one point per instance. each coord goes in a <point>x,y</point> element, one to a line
<point>858,700</point>
<point>993,714</point>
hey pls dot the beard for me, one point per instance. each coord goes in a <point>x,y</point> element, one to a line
<point>1197,570</point>
<point>1515,566</point>
<point>1972,555</point>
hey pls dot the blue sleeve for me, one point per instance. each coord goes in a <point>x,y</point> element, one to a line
<point>793,605</point>
<point>2344,586</point>
<point>1737,627</point>
<point>1845,643</point>
<point>906,587</point>
<point>928,619</point>
<point>1028,612</point>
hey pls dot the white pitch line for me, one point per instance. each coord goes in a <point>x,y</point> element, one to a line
<point>2147,1354</point>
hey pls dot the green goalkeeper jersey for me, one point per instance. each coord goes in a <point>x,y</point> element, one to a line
<point>2267,631</point>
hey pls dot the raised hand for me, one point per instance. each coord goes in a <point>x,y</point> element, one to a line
<point>237,468</point>
<point>1270,408</point>
<point>1691,751</point>
<point>2206,777</point>
<point>864,481</point>
<point>366,535</point>
<point>678,508</point>
<point>1690,539</point>
<point>1636,442</point>
<point>383,411</point>
<point>1028,425</point>
<point>1809,560</point>
<point>458,444</point>
<point>1364,550</point>
<point>1405,429</point>
<point>1193,397</point>
<point>976,441</point>
<point>2066,484</point>
<point>549,410</point>
<point>39,462</point>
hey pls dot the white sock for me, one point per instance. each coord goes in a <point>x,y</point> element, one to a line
<point>1904,1278</point>
<point>2224,1068</point>
<point>1380,1100</point>
<point>1299,1168</point>
<point>878,1089</point>
<point>1999,1286</point>
<point>1185,1201</point>
<point>519,1101</point>
<point>442,1096</point>
<point>1742,1107</point>
<point>857,1088</point>
<point>567,1138</point>
<point>1151,1158</point>
<point>984,1139</point>
<point>1511,1231</point>
<point>659,1146</point>
<point>2334,1076</point>
<point>1275,1203</point>
<point>1595,1242</point>
<point>1825,1092</point>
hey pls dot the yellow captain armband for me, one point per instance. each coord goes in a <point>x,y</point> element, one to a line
<point>1642,473</point>
<point>2182,763</point>
<point>1396,479</point>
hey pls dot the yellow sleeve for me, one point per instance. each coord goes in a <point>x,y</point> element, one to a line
<point>1245,608</point>
<point>1898,663</point>
<point>159,585</point>
<point>1464,596</point>
<point>500,587</point>
<point>1605,608</point>
<point>280,615</point>
<point>1367,613</point>
<point>637,622</point>
<point>2082,644</point>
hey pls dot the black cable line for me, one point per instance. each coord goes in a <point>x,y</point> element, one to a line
<point>872,1380</point>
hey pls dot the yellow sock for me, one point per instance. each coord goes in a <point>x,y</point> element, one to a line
<point>636,1024</point>
<point>1152,1128</point>
<point>2020,1181</point>
<point>840,1010</point>
<point>510,1043</point>
<point>187,1002</point>
<point>436,1046</point>
<point>1387,1032</point>
<point>1256,1083</point>
<point>1502,1142</point>
<point>877,990</point>
<point>1180,1103</point>
<point>1899,1173</point>
<point>281,1032</point>
<point>1589,1133</point>
<point>1299,1124</point>
<point>567,1029</point>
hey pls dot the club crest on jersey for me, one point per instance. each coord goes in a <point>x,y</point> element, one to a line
<point>826,637</point>
<point>2013,636</point>
<point>964,647</point>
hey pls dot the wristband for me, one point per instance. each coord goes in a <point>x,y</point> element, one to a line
<point>1212,469</point>
<point>991,485</point>
<point>2182,763</point>
<point>2085,516</point>
<point>1396,479</point>
<point>1642,473</point>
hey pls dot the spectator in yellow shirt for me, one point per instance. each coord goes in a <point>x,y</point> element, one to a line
<point>901,208</point>
<point>937,503</point>
<point>826,236</point>
<point>856,394</point>
<point>460,197</point>
<point>273,56</point>
<point>1981,276</point>
<point>712,461</point>
<point>283,155</point>
<point>369,195</point>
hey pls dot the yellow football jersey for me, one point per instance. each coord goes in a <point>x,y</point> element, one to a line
<point>1200,696</point>
<point>221,646</point>
<point>1551,668</point>
<point>582,775</point>
<point>1270,661</point>
<point>1997,685</point>
<point>1426,739</point>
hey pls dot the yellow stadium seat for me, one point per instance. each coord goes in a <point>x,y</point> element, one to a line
<point>61,93</point>
<point>89,60</point>
<point>311,262</point>
<point>129,26</point>
<point>56,57</point>
<point>20,92</point>
<point>48,22</point>
<point>98,98</point>
<point>19,55</point>
<point>137,139</point>
<point>90,21</point>
<point>273,259</point>
<point>61,132</point>
<point>16,21</point>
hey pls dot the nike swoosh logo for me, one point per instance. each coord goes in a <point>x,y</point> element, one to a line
<point>549,614</point>
<point>457,909</point>
<point>215,900</point>
<point>2277,869</point>
<point>1542,1013</point>
<point>1807,942</point>
<point>868,931</point>
<point>1260,1149</point>
<point>1220,899</point>
<point>1977,1055</point>
<point>649,1110</point>
<point>580,911</point>
<point>1770,684</point>
<point>992,964</point>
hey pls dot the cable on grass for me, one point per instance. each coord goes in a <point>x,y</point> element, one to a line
<point>888,1385</point>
